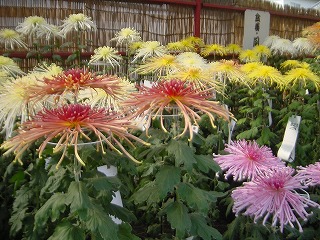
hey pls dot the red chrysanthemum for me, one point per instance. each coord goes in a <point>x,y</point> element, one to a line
<point>190,101</point>
<point>69,123</point>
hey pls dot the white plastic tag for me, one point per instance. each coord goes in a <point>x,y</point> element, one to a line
<point>269,114</point>
<point>287,149</point>
<point>231,126</point>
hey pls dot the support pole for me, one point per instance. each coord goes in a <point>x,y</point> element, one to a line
<point>197,14</point>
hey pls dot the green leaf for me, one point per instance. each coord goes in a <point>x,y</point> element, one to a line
<point>125,232</point>
<point>52,208</point>
<point>100,221</point>
<point>71,57</point>
<point>54,181</point>
<point>121,213</point>
<point>184,155</point>
<point>67,231</point>
<point>148,193</point>
<point>248,134</point>
<point>206,163</point>
<point>77,197</point>
<point>178,217</point>
<point>200,228</point>
<point>241,121</point>
<point>16,220</point>
<point>56,57</point>
<point>31,54</point>
<point>66,44</point>
<point>105,183</point>
<point>166,179</point>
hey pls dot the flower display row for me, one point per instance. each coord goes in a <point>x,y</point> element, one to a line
<point>192,129</point>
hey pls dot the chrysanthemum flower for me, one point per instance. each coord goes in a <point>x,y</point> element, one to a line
<point>304,46</point>
<point>262,51</point>
<point>33,24</point>
<point>213,49</point>
<point>11,39</point>
<point>4,76</point>
<point>9,66</point>
<point>302,76</point>
<point>189,100</point>
<point>149,49</point>
<point>270,40</point>
<point>313,33</point>
<point>77,22</point>
<point>249,67</point>
<point>195,41</point>
<point>266,75</point>
<point>246,160</point>
<point>97,97</point>
<point>233,49</point>
<point>48,71</point>
<point>249,55</point>
<point>106,54</point>
<point>310,175</point>
<point>126,36</point>
<point>52,32</point>
<point>175,47</point>
<point>191,60</point>
<point>69,124</point>
<point>15,101</point>
<point>227,70</point>
<point>134,46</point>
<point>273,193</point>
<point>160,66</point>
<point>72,81</point>
<point>283,46</point>
<point>291,63</point>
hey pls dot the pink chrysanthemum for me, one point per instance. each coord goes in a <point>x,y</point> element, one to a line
<point>67,125</point>
<point>310,175</point>
<point>273,193</point>
<point>73,80</point>
<point>246,159</point>
<point>188,100</point>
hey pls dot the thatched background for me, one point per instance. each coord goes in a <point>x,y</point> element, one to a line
<point>155,21</point>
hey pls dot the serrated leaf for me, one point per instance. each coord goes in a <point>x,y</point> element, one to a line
<point>16,220</point>
<point>56,57</point>
<point>121,213</point>
<point>241,121</point>
<point>100,221</point>
<point>184,155</point>
<point>125,232</point>
<point>54,181</point>
<point>67,231</point>
<point>148,193</point>
<point>166,179</point>
<point>200,228</point>
<point>206,163</point>
<point>51,208</point>
<point>77,197</point>
<point>104,183</point>
<point>178,217</point>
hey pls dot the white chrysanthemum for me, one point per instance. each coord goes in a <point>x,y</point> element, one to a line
<point>4,76</point>
<point>97,97</point>
<point>303,46</point>
<point>33,25</point>
<point>107,55</point>
<point>283,46</point>
<point>270,40</point>
<point>9,66</point>
<point>11,39</point>
<point>150,49</point>
<point>47,71</point>
<point>52,32</point>
<point>126,36</point>
<point>77,22</point>
<point>191,60</point>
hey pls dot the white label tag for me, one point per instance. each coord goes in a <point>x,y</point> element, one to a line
<point>231,126</point>
<point>269,114</point>
<point>287,149</point>
<point>195,128</point>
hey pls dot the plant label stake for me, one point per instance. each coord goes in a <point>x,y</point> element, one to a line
<point>287,149</point>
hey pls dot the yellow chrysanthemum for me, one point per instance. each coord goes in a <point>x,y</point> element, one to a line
<point>201,78</point>
<point>160,66</point>
<point>175,46</point>
<point>149,49</point>
<point>249,56</point>
<point>227,69</point>
<point>233,49</point>
<point>196,41</point>
<point>134,46</point>
<point>290,64</point>
<point>213,49</point>
<point>107,55</point>
<point>9,66</point>
<point>126,36</point>
<point>262,51</point>
<point>302,76</point>
<point>77,22</point>
<point>266,75</point>
<point>11,38</point>
<point>249,67</point>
